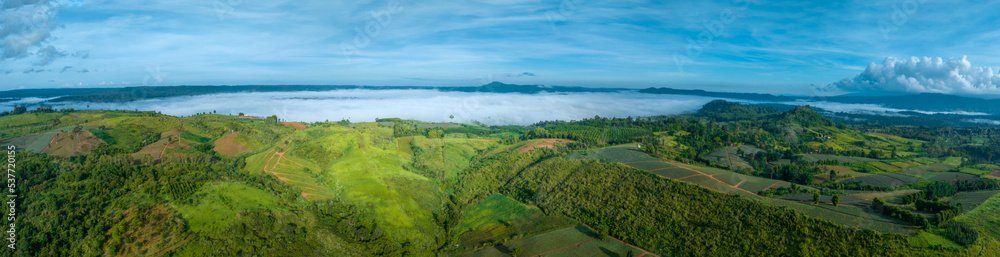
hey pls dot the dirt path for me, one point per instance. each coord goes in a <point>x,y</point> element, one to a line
<point>270,168</point>
<point>769,187</point>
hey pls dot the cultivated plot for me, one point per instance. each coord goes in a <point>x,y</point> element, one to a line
<point>884,180</point>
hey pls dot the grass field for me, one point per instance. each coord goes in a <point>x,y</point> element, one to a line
<point>576,240</point>
<point>358,164</point>
<point>494,210</point>
<point>499,218</point>
<point>729,156</point>
<point>985,218</point>
<point>624,154</point>
<point>885,179</point>
<point>445,158</point>
<point>825,199</point>
<point>927,239</point>
<point>971,200</point>
<point>216,205</point>
<point>979,169</point>
<point>891,196</point>
<point>864,218</point>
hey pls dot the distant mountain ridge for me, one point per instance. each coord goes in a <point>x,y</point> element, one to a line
<point>699,92</point>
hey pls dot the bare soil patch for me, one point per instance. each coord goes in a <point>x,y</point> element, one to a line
<point>543,143</point>
<point>68,144</point>
<point>295,125</point>
<point>228,146</point>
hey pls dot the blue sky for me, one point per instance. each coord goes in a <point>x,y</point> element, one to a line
<point>787,47</point>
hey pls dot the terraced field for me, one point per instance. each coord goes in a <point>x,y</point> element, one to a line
<point>841,171</point>
<point>842,159</point>
<point>926,170</point>
<point>884,179</point>
<point>971,200</point>
<point>953,177</point>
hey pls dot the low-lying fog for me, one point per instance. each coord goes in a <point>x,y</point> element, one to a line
<point>423,105</point>
<point>434,106</point>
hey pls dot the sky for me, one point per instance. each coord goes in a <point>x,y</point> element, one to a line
<point>780,47</point>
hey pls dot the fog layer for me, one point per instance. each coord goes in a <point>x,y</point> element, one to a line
<point>423,105</point>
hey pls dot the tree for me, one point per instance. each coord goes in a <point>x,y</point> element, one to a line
<point>816,198</point>
<point>515,252</point>
<point>833,175</point>
<point>836,200</point>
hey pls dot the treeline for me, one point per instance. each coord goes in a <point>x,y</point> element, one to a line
<point>899,213</point>
<point>679,219</point>
<point>667,217</point>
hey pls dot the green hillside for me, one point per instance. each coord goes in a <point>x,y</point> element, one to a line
<point>768,183</point>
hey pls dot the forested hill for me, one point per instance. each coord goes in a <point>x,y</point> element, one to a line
<point>721,110</point>
<point>805,116</point>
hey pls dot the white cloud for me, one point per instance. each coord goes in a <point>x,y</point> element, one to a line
<point>925,75</point>
<point>26,24</point>
<point>424,105</point>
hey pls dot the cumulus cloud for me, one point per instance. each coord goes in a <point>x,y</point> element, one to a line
<point>424,105</point>
<point>48,54</point>
<point>924,75</point>
<point>26,24</point>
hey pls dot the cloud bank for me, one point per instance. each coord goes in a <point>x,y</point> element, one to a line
<point>924,75</point>
<point>28,24</point>
<point>423,105</point>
